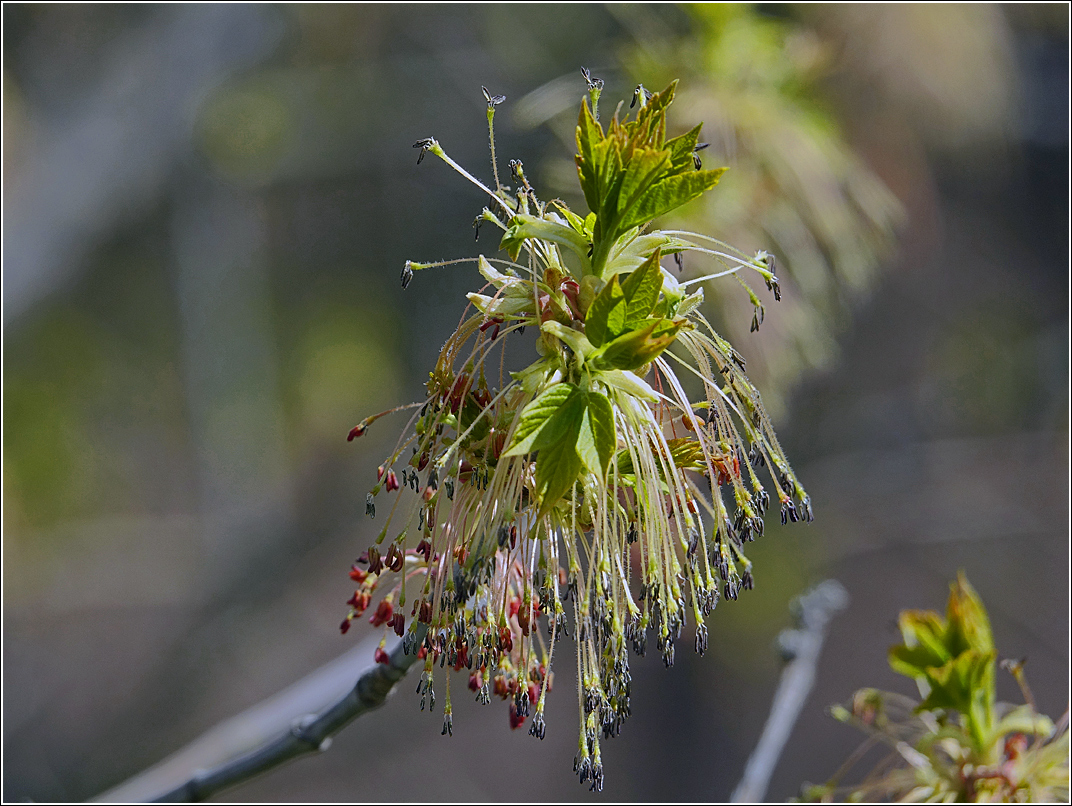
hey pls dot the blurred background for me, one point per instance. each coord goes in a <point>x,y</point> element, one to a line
<point>206,210</point>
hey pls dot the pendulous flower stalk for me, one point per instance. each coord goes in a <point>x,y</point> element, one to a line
<point>588,494</point>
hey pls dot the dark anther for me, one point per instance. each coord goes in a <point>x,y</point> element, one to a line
<point>449,484</point>
<point>433,478</point>
<point>407,272</point>
<point>757,319</point>
<point>515,170</point>
<point>633,534</point>
<point>503,536</point>
<point>637,94</point>
<point>476,227</point>
<point>423,144</point>
<point>701,639</point>
<point>448,728</point>
<point>747,581</point>
<point>678,261</point>
<point>370,506</point>
<point>593,83</point>
<point>538,727</point>
<point>696,162</point>
<point>493,100</point>
<point>805,510</point>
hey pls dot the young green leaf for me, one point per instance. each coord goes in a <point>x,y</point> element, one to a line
<point>557,468</point>
<point>606,315</point>
<point>641,289</point>
<point>546,419</point>
<point>668,194</point>
<point>634,350</point>
<point>597,441</point>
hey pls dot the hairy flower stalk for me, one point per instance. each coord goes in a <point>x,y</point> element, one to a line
<point>587,492</point>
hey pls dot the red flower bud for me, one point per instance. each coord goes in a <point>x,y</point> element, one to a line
<point>383,614</point>
<point>381,656</point>
<point>392,481</point>
<point>357,431</point>
<point>357,574</point>
<point>344,626</point>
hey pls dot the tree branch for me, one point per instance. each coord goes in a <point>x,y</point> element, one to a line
<point>308,734</point>
<point>801,647</point>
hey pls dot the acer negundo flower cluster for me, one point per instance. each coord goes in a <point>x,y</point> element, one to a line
<point>587,492</point>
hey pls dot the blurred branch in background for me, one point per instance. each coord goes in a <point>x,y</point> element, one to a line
<point>249,744</point>
<point>800,647</point>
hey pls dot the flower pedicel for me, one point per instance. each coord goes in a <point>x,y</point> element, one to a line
<point>586,493</point>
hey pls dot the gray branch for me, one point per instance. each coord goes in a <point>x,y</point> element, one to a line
<point>801,647</point>
<point>308,734</point>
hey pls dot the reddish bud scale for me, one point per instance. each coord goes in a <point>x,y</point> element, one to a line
<point>422,653</point>
<point>356,431</point>
<point>381,656</point>
<point>357,574</point>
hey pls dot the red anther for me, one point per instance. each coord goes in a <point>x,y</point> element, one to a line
<point>380,656</point>
<point>513,537</point>
<point>357,431</point>
<point>426,613</point>
<point>498,320</point>
<point>461,554</point>
<point>691,503</point>
<point>523,616</point>
<point>359,602</point>
<point>357,574</point>
<point>422,653</point>
<point>344,626</point>
<point>515,606</point>
<point>465,471</point>
<point>392,481</point>
<point>375,562</point>
<point>463,659</point>
<point>506,639</point>
<point>427,494</point>
<point>476,681</point>
<point>398,622</point>
<point>383,614</point>
<point>379,472</point>
<point>422,463</point>
<point>424,548</point>
<point>534,694</point>
<point>516,720</point>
